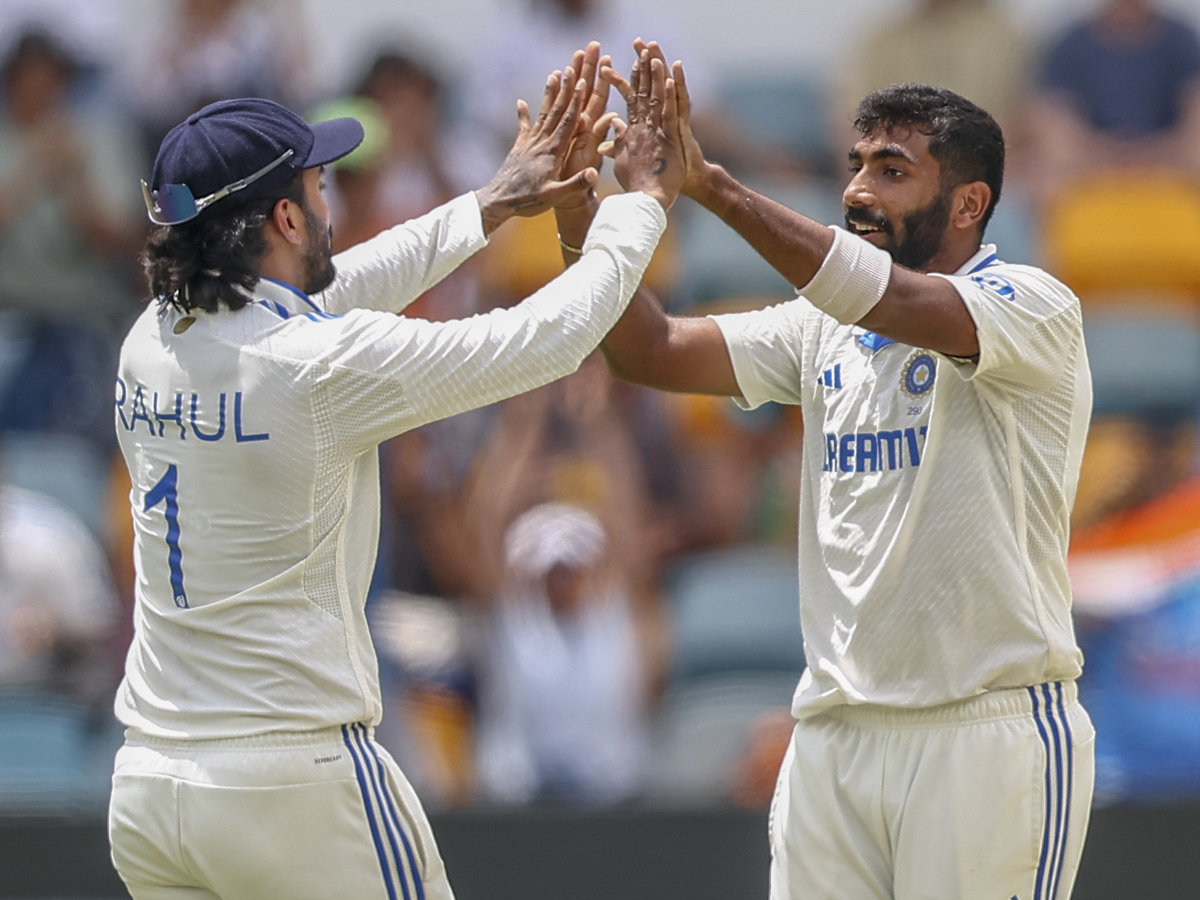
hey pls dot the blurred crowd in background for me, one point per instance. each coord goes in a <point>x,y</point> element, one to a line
<point>587,595</point>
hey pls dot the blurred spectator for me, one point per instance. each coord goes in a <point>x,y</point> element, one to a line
<point>971,47</point>
<point>354,202</point>
<point>1120,88</point>
<point>422,166</point>
<point>562,713</point>
<point>1136,581</point>
<point>69,226</point>
<point>217,49</point>
<point>91,30</point>
<point>57,606</point>
<point>574,645</point>
<point>741,468</point>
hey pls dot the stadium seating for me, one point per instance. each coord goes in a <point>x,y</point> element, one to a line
<point>1127,231</point>
<point>788,111</point>
<point>738,654</point>
<point>715,263</point>
<point>735,611</point>
<point>61,466</point>
<point>51,756</point>
<point>1145,360</point>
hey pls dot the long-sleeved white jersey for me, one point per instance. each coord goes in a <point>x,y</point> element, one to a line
<point>251,439</point>
<point>936,491</point>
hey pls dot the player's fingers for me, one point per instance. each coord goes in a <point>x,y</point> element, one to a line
<point>656,51</point>
<point>580,181</point>
<point>682,99</point>
<point>576,63</point>
<point>617,80</point>
<point>609,148</point>
<point>642,66</point>
<point>670,112</point>
<point>598,99</point>
<point>522,116</point>
<point>658,89</point>
<point>566,95</point>
<point>633,103</point>
<point>605,122</point>
<point>549,94</point>
<point>589,62</point>
<point>570,116</point>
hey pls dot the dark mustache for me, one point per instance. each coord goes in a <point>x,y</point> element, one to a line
<point>876,219</point>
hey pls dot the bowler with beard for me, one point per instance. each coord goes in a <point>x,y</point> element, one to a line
<point>940,751</point>
<point>251,398</point>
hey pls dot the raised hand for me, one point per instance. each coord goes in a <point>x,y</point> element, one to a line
<point>693,157</point>
<point>647,153</point>
<point>528,182</point>
<point>594,122</point>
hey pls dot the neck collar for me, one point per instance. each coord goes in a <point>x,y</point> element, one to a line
<point>284,299</point>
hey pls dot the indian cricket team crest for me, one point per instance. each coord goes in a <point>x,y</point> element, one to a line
<point>919,372</point>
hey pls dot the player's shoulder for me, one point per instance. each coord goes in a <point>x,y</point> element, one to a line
<point>1025,286</point>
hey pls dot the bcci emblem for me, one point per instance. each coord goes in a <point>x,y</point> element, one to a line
<point>919,373</point>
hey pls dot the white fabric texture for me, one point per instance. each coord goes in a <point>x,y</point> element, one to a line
<point>251,819</point>
<point>988,797</point>
<point>251,436</point>
<point>935,493</point>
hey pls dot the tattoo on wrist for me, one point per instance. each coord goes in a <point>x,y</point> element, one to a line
<point>660,166</point>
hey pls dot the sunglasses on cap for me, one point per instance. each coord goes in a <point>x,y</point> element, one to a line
<point>172,204</point>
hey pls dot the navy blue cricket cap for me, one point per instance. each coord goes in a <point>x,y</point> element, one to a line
<point>233,139</point>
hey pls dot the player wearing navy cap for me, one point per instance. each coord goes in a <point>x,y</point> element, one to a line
<point>939,751</point>
<point>250,400</point>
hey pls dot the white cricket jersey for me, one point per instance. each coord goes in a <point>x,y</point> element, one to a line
<point>251,438</point>
<point>936,492</point>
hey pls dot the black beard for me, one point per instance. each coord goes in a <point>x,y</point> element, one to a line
<point>317,260</point>
<point>924,230</point>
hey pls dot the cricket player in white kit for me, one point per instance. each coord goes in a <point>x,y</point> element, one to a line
<point>250,400</point>
<point>940,751</point>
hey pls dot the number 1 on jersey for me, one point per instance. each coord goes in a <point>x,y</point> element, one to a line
<point>167,489</point>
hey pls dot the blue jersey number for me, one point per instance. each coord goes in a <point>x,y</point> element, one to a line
<point>167,489</point>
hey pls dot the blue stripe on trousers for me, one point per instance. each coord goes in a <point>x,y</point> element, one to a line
<point>1050,716</point>
<point>379,786</point>
<point>1068,784</point>
<point>412,862</point>
<point>362,785</point>
<point>1041,869</point>
<point>1060,826</point>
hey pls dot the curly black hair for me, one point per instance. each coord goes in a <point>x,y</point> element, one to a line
<point>963,138</point>
<point>214,258</point>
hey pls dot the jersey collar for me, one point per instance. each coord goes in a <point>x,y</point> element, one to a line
<point>983,258</point>
<point>283,299</point>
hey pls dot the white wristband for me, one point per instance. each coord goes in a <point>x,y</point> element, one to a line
<point>851,280</point>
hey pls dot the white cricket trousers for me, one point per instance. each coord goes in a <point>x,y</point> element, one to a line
<point>983,799</point>
<point>324,815</point>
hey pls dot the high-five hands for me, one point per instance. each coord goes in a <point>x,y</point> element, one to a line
<point>695,166</point>
<point>647,151</point>
<point>528,181</point>
<point>594,123</point>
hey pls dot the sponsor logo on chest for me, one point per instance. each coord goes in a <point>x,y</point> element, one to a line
<point>854,385</point>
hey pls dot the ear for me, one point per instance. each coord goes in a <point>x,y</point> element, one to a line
<point>287,217</point>
<point>969,203</point>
